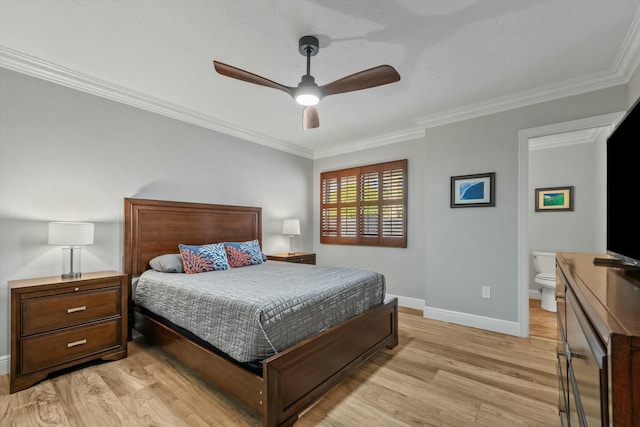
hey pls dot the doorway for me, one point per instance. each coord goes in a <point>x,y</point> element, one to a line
<point>525,204</point>
<point>553,163</point>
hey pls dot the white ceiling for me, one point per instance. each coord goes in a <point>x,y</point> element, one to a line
<point>457,59</point>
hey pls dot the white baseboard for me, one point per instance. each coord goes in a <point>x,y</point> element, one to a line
<point>416,303</point>
<point>4,364</point>
<point>488,323</point>
<point>472,320</point>
<point>534,294</point>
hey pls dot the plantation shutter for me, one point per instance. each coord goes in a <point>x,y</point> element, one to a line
<point>365,205</point>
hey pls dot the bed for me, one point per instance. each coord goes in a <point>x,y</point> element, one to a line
<point>282,385</point>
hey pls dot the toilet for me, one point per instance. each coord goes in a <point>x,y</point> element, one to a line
<point>545,265</point>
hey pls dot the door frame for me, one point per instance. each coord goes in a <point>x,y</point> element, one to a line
<point>524,135</point>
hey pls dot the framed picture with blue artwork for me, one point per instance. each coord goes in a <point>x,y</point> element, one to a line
<point>472,191</point>
<point>554,199</point>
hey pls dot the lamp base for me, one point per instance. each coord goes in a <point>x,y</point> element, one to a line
<point>291,252</point>
<point>71,262</point>
<point>71,275</point>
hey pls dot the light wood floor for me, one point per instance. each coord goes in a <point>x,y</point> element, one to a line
<point>542,323</point>
<point>439,375</point>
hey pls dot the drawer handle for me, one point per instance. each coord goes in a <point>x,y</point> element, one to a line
<point>75,309</point>
<point>75,343</point>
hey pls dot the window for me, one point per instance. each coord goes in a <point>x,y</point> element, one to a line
<point>366,205</point>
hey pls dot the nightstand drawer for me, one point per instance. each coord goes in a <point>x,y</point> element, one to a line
<point>55,348</point>
<point>296,257</point>
<point>53,312</point>
<point>304,259</point>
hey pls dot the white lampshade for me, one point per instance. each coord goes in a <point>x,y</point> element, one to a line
<point>70,233</point>
<point>291,227</point>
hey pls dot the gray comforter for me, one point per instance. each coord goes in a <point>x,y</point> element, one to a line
<point>251,313</point>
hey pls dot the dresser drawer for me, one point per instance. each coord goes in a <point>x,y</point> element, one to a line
<point>55,348</point>
<point>53,312</point>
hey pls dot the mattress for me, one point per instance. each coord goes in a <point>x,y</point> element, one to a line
<point>253,312</point>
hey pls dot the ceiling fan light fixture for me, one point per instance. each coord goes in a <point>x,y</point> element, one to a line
<point>308,92</point>
<point>307,99</point>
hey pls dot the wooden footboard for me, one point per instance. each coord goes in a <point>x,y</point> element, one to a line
<point>233,379</point>
<point>295,378</point>
<point>300,375</point>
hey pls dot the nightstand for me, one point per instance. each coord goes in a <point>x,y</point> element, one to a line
<point>58,323</point>
<point>297,257</point>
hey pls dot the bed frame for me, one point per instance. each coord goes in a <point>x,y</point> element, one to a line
<point>291,380</point>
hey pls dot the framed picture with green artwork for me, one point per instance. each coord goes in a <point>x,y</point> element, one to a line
<point>554,199</point>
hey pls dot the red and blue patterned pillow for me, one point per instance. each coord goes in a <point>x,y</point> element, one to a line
<point>242,254</point>
<point>199,259</point>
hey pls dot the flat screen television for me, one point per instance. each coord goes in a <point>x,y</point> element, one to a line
<point>623,190</point>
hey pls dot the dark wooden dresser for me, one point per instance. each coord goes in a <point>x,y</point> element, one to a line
<point>598,342</point>
<point>58,323</point>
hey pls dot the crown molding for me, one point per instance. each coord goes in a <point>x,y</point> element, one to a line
<point>626,62</point>
<point>628,59</point>
<point>363,144</point>
<point>584,136</point>
<point>523,99</point>
<point>35,67</point>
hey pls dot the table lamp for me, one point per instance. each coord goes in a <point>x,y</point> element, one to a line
<point>292,228</point>
<point>73,235</point>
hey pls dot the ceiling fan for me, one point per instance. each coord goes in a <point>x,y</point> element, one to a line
<point>308,93</point>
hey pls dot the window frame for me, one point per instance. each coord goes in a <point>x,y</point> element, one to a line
<point>342,216</point>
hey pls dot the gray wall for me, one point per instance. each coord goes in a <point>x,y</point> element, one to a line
<point>474,247</point>
<point>67,155</point>
<point>452,253</point>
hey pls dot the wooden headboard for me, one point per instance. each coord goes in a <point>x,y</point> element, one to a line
<point>156,227</point>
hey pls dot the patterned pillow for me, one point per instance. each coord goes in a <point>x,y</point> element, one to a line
<point>198,259</point>
<point>241,254</point>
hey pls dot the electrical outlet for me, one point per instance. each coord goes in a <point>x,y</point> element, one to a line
<point>486,292</point>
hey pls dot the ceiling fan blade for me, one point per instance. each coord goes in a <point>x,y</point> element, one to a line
<point>310,118</point>
<point>237,73</point>
<point>376,76</point>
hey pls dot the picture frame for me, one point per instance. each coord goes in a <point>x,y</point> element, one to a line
<point>470,191</point>
<point>554,199</point>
